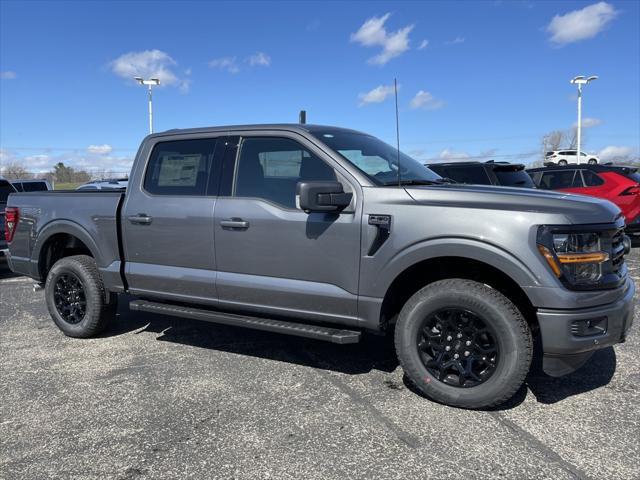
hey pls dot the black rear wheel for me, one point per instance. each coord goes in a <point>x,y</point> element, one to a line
<point>463,343</point>
<point>562,162</point>
<point>76,298</point>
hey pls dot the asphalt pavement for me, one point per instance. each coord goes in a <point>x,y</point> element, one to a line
<point>169,398</point>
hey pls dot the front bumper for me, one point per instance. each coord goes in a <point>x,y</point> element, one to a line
<point>567,343</point>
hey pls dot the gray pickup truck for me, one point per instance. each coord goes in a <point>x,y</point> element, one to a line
<point>329,233</point>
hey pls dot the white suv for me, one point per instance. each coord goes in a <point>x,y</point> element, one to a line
<point>564,157</point>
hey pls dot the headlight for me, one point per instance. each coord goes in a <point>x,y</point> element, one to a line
<point>575,257</point>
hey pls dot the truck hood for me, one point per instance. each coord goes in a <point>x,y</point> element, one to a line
<point>578,209</point>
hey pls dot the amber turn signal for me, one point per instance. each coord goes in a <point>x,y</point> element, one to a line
<point>551,260</point>
<point>593,257</point>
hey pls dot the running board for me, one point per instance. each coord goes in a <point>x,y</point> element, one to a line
<point>317,332</point>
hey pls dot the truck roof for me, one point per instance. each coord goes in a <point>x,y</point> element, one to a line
<point>291,127</point>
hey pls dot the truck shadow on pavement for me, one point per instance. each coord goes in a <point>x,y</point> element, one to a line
<point>4,270</point>
<point>372,353</point>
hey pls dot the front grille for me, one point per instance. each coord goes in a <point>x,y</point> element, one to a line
<point>617,252</point>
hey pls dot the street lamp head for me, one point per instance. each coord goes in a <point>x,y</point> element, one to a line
<point>582,80</point>
<point>152,81</point>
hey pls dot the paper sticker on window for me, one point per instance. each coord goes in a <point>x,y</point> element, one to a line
<point>179,170</point>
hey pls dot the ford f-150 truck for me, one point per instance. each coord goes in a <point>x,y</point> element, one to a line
<point>329,233</point>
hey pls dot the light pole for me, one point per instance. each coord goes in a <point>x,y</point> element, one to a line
<point>149,83</point>
<point>580,80</point>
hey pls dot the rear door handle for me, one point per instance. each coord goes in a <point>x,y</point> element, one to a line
<point>140,219</point>
<point>234,223</point>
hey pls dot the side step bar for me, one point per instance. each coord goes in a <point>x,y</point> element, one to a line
<point>317,332</point>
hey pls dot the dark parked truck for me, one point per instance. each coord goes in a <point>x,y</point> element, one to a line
<point>5,190</point>
<point>317,232</point>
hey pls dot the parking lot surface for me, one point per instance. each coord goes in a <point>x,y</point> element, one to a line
<point>164,397</point>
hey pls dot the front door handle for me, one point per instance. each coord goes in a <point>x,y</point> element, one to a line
<point>234,223</point>
<point>140,219</point>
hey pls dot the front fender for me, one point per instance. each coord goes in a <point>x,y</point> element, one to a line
<point>461,247</point>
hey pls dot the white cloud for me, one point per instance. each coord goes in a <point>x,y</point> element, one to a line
<point>229,64</point>
<point>613,152</point>
<point>449,155</point>
<point>426,101</point>
<point>79,159</point>
<point>581,24</point>
<point>424,44</point>
<point>589,122</point>
<point>149,64</point>
<point>372,33</point>
<point>377,95</point>
<point>259,59</point>
<point>7,75</point>
<point>455,41</point>
<point>99,149</point>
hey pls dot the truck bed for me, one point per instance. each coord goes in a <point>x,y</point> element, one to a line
<point>93,215</point>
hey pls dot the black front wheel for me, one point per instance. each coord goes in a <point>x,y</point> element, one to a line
<point>592,161</point>
<point>76,298</point>
<point>463,344</point>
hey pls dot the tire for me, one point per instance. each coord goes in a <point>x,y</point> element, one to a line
<point>505,325</point>
<point>562,162</point>
<point>78,274</point>
<point>592,161</point>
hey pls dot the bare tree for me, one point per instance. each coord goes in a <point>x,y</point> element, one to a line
<point>15,171</point>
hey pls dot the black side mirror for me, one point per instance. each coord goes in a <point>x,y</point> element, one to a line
<point>322,196</point>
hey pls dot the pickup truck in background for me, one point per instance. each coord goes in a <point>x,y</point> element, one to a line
<point>328,233</point>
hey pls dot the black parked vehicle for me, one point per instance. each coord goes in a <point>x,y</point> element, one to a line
<point>488,173</point>
<point>5,189</point>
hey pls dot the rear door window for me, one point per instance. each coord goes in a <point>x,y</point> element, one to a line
<point>558,179</point>
<point>591,179</point>
<point>514,178</point>
<point>181,167</point>
<point>472,174</point>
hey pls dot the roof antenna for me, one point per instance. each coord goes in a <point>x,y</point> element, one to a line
<point>302,117</point>
<point>395,88</point>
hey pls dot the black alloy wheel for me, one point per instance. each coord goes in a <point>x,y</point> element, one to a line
<point>69,298</point>
<point>457,347</point>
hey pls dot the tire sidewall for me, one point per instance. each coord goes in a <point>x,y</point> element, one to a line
<point>91,291</point>
<point>500,322</point>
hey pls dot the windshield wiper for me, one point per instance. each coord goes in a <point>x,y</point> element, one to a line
<point>407,181</point>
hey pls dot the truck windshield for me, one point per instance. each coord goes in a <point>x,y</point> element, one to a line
<point>376,159</point>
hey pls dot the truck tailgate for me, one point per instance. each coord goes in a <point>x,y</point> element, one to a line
<point>90,216</point>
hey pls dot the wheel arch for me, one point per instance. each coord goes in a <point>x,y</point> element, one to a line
<point>62,239</point>
<point>497,269</point>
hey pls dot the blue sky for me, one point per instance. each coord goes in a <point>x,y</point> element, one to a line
<point>477,79</point>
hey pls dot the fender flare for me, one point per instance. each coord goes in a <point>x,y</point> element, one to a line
<point>460,247</point>
<point>70,228</point>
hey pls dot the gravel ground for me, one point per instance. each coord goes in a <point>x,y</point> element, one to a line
<point>163,397</point>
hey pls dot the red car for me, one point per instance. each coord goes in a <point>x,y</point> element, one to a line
<point>618,184</point>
